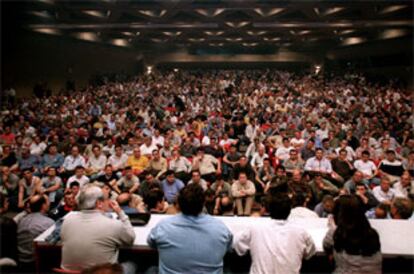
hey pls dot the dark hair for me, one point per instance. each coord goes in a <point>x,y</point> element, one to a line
<point>74,183</point>
<point>299,199</point>
<point>191,200</point>
<point>365,152</point>
<point>169,172</point>
<point>153,197</point>
<point>278,205</point>
<point>404,207</point>
<point>37,202</point>
<point>8,238</point>
<point>353,234</point>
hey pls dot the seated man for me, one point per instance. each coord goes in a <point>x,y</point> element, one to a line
<point>198,240</point>
<point>196,179</point>
<point>128,183</point>
<point>405,187</point>
<point>29,228</point>
<point>171,186</point>
<point>391,167</point>
<point>96,162</point>
<point>79,177</point>
<point>401,208</point>
<point>243,190</point>
<point>158,165</point>
<point>276,246</point>
<point>137,162</point>
<point>68,204</point>
<point>155,201</point>
<point>384,193</point>
<point>85,243</point>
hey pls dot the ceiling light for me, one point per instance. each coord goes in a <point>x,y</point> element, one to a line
<point>254,33</point>
<point>250,44</point>
<point>47,31</point>
<point>196,39</point>
<point>266,12</point>
<point>238,39</point>
<point>170,33</point>
<point>237,24</point>
<point>153,13</point>
<point>353,41</point>
<point>210,13</point>
<point>216,44</point>
<point>120,42</point>
<point>347,31</point>
<point>214,33</point>
<point>333,10</point>
<point>271,39</point>
<point>87,36</point>
<point>127,33</point>
<point>43,14</point>
<point>393,33</point>
<point>393,8</point>
<point>97,13</point>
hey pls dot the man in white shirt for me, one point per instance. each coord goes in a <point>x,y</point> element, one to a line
<point>282,153</point>
<point>73,160</point>
<point>119,160</point>
<point>79,177</point>
<point>275,246</point>
<point>366,166</point>
<point>384,193</point>
<point>405,186</point>
<point>96,162</point>
<point>148,147</point>
<point>319,163</point>
<point>258,157</point>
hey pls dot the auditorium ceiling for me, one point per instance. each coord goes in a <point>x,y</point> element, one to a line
<point>215,26</point>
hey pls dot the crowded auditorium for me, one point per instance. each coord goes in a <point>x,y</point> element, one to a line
<point>207,136</point>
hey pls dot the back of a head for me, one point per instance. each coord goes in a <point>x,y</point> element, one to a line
<point>353,234</point>
<point>191,200</point>
<point>402,208</point>
<point>153,197</point>
<point>89,196</point>
<point>278,205</point>
<point>36,203</point>
<point>8,237</point>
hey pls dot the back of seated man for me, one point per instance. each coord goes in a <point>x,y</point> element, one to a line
<point>31,226</point>
<point>191,242</point>
<point>275,246</point>
<point>401,208</point>
<point>90,238</point>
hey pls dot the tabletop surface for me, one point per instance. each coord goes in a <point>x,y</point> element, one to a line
<point>396,236</point>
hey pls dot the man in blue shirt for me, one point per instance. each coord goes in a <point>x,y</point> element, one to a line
<point>191,242</point>
<point>171,186</point>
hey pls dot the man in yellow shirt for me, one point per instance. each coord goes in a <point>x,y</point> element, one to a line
<point>137,161</point>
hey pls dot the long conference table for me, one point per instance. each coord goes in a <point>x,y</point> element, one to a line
<point>396,236</point>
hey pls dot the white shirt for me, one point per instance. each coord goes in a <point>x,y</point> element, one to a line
<point>275,246</point>
<point>158,140</point>
<point>97,163</point>
<point>367,168</point>
<point>71,163</point>
<point>313,164</point>
<point>297,142</point>
<point>37,149</point>
<point>82,181</point>
<point>302,212</point>
<point>118,162</point>
<point>257,160</point>
<point>383,196</point>
<point>401,191</point>
<point>145,150</point>
<point>282,153</point>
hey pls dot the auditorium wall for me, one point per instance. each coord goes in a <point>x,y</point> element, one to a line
<point>33,57</point>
